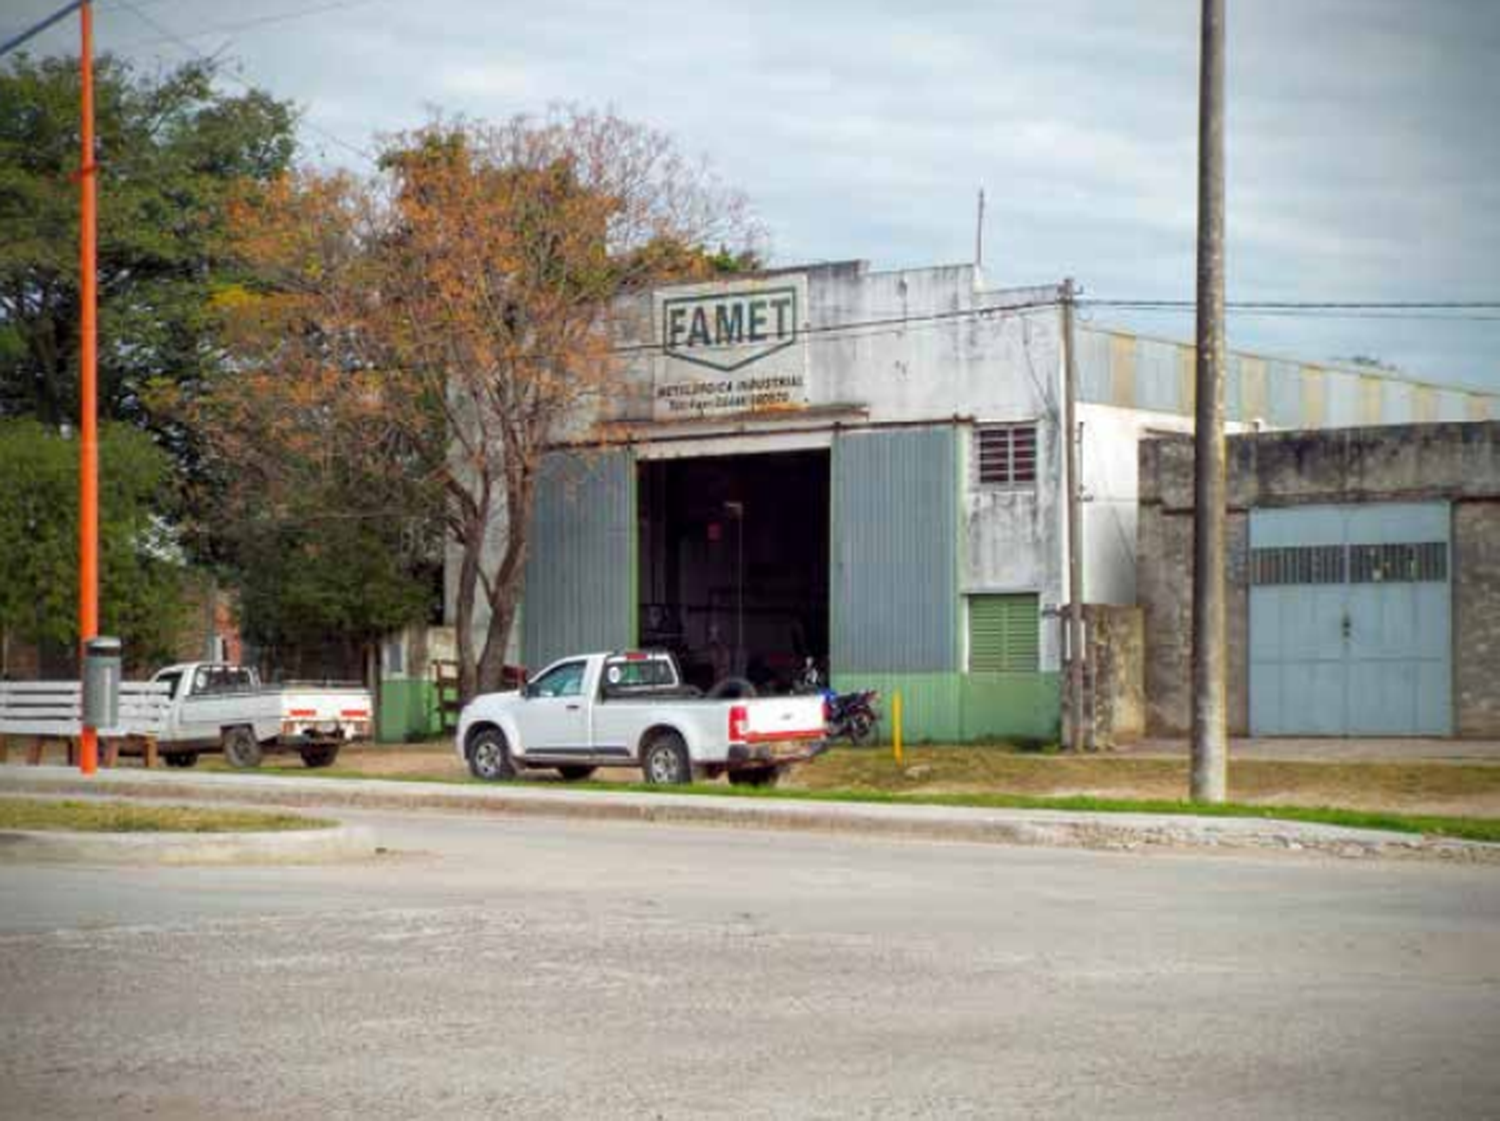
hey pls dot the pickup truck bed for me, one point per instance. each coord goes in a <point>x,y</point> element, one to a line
<point>216,706</point>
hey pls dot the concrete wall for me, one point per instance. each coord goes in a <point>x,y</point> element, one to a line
<point>1109,449</point>
<point>1454,462</point>
<point>1476,617</point>
<point>1116,679</point>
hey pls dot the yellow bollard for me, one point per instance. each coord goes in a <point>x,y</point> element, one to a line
<point>896,728</point>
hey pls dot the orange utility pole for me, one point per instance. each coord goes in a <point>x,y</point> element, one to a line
<point>88,398</point>
<point>88,403</point>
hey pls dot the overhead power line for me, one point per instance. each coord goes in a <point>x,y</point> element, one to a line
<point>167,33</point>
<point>242,25</point>
<point>1458,310</point>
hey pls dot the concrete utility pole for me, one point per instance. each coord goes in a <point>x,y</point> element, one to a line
<point>1210,710</point>
<point>1075,520</point>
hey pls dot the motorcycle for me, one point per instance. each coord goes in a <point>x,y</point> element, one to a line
<point>849,716</point>
<point>852,716</point>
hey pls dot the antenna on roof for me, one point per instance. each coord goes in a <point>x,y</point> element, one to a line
<point>979,233</point>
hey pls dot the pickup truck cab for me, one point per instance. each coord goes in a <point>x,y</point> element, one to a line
<point>217,706</point>
<point>633,710</point>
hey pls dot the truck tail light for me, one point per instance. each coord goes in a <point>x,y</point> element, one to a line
<point>739,723</point>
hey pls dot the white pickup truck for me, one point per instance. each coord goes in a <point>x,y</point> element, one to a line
<point>632,710</point>
<point>217,706</point>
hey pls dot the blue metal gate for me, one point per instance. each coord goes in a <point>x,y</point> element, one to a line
<point>1350,620</point>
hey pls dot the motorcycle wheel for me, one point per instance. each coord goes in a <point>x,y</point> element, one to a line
<point>860,727</point>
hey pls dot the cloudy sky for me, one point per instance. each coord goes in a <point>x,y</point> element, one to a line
<point>1364,144</point>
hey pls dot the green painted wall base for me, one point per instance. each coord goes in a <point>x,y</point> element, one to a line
<point>408,710</point>
<point>963,707</point>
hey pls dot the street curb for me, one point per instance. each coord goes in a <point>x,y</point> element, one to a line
<point>294,846</point>
<point>1099,831</point>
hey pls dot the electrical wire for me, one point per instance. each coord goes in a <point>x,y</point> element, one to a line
<point>169,34</point>
<point>1467,311</point>
<point>243,25</point>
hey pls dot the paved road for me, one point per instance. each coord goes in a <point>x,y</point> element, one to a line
<point>569,969</point>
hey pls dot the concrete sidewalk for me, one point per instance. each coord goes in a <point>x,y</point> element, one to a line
<point>1109,831</point>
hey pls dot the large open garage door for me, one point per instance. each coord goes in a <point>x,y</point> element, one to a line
<point>1349,621</point>
<point>734,564</point>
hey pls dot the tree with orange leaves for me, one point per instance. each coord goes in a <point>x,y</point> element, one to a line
<point>427,333</point>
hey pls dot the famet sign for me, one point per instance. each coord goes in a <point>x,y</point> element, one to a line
<point>728,330</point>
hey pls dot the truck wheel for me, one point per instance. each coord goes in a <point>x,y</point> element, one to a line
<point>320,756</point>
<point>760,776</point>
<point>241,748</point>
<point>732,689</point>
<point>665,760</point>
<point>575,773</point>
<point>489,756</point>
<point>180,758</point>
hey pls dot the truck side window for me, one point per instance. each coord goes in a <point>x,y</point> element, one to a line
<point>200,680</point>
<point>625,676</point>
<point>564,681</point>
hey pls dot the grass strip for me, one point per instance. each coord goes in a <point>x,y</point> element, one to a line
<point>124,817</point>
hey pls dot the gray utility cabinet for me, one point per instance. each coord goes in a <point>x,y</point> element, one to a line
<point>1350,620</point>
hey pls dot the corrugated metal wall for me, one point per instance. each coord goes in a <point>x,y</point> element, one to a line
<point>580,568</point>
<point>894,587</point>
<point>1133,372</point>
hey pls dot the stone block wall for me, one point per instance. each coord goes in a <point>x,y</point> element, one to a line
<point>1476,618</point>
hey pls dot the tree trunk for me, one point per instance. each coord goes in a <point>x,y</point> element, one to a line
<point>463,614</point>
<point>505,592</point>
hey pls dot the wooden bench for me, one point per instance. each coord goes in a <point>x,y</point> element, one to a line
<point>40,711</point>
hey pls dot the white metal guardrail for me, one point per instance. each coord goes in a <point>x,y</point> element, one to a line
<point>52,710</point>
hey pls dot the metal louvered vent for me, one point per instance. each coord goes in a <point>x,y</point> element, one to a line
<point>1003,634</point>
<point>1005,454</point>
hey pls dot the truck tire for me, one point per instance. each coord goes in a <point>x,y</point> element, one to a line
<point>180,758</point>
<point>759,776</point>
<point>577,772</point>
<point>489,756</point>
<point>320,756</point>
<point>665,762</point>
<point>241,748</point>
<point>732,689</point>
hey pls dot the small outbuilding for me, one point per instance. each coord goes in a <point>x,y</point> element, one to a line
<point>1363,582</point>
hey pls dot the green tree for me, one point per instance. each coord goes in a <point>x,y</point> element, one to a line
<point>140,580</point>
<point>172,153</point>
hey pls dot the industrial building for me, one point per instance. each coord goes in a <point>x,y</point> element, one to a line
<point>868,468</point>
